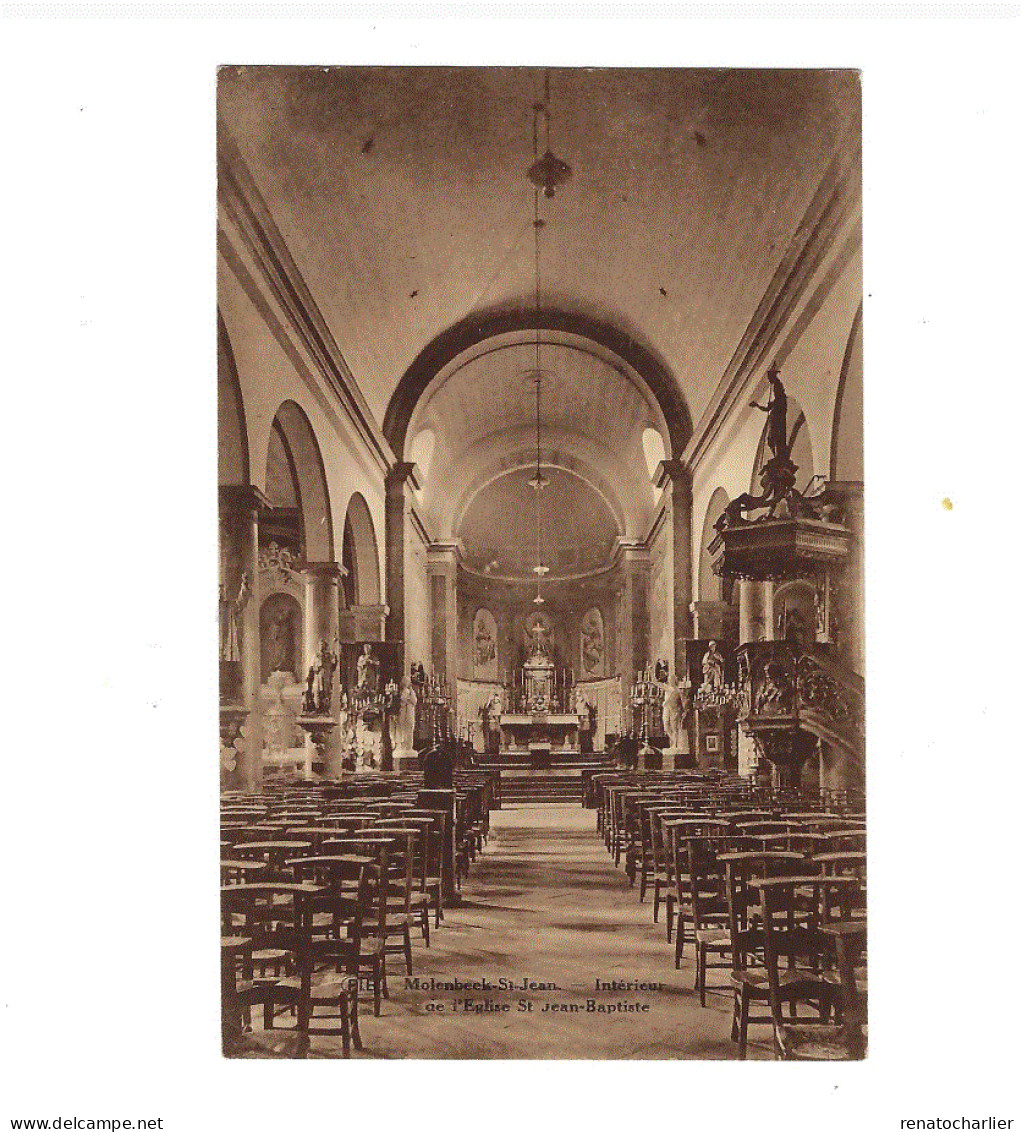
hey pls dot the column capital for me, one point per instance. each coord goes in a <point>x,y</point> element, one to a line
<point>633,554</point>
<point>444,554</point>
<point>401,473</point>
<point>241,498</point>
<point>321,569</point>
<point>674,472</point>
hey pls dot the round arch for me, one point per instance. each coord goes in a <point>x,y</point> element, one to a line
<point>710,586</point>
<point>846,433</point>
<point>310,477</point>
<point>476,329</point>
<point>360,555</point>
<point>232,431</point>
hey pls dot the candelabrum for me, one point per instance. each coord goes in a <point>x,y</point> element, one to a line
<point>436,706</point>
<point>648,696</point>
<point>716,696</point>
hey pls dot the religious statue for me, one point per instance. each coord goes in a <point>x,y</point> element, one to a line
<point>776,410</point>
<point>404,729</point>
<point>367,671</point>
<point>713,666</point>
<point>582,704</point>
<point>775,693</point>
<point>230,618</point>
<point>538,635</point>
<point>309,699</point>
<point>794,627</point>
<point>675,710</point>
<point>661,670</point>
<point>491,711</point>
<point>280,641</point>
<point>325,677</point>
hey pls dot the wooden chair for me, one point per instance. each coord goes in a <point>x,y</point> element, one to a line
<point>418,906</point>
<point>748,978</point>
<point>394,928</point>
<point>797,956</point>
<point>708,907</point>
<point>678,832</point>
<point>333,950</point>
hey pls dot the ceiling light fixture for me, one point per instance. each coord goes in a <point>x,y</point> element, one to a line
<point>546,173</point>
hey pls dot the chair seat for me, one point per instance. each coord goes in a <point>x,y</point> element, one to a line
<point>268,1044</point>
<point>816,1043</point>
<point>330,990</point>
<point>269,955</point>
<point>710,937</point>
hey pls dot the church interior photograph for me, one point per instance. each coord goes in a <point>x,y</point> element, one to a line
<point>541,636</point>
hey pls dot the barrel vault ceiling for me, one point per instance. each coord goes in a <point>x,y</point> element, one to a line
<point>402,197</point>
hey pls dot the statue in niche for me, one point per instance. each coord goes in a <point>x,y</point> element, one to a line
<point>367,671</point>
<point>675,711</point>
<point>794,627</point>
<point>776,410</point>
<point>661,671</point>
<point>278,636</point>
<point>713,666</point>
<point>404,729</point>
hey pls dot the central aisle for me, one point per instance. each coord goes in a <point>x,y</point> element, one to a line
<point>545,903</point>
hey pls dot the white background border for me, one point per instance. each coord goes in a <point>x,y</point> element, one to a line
<point>110,995</point>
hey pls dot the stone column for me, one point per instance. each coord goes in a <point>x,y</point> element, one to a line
<point>240,646</point>
<point>714,621</point>
<point>322,602</point>
<point>633,648</point>
<point>400,482</point>
<point>675,479</point>
<point>755,622</point>
<point>442,569</point>
<point>849,588</point>
<point>755,611</point>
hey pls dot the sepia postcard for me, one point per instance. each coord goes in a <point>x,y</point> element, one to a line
<point>541,563</point>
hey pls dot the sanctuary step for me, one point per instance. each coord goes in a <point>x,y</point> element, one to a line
<point>523,784</point>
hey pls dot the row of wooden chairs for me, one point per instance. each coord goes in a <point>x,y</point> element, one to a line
<point>305,877</point>
<point>712,853</point>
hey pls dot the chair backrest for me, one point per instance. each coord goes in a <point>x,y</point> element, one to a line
<point>340,951</point>
<point>706,883</point>
<point>401,865</point>
<point>792,936</point>
<point>740,869</point>
<point>268,914</point>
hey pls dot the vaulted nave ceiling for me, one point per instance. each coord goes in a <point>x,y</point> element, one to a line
<point>401,195</point>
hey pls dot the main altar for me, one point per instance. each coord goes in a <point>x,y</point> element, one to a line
<point>541,717</point>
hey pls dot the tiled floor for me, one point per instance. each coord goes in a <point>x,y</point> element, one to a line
<point>545,903</point>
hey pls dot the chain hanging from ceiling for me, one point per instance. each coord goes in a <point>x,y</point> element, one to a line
<point>546,173</point>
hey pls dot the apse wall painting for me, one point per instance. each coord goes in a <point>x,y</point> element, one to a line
<point>591,640</point>
<point>484,646</point>
<point>541,514</point>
